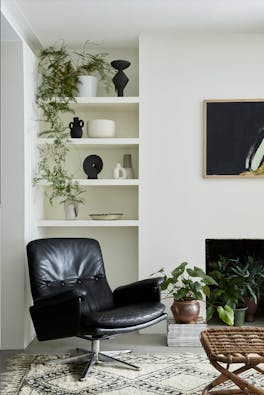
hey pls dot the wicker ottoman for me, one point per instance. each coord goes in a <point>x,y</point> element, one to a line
<point>244,345</point>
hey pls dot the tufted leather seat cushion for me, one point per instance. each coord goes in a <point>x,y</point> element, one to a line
<point>121,317</point>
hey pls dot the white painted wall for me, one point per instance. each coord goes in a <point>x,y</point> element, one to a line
<point>13,187</point>
<point>178,208</point>
<point>18,128</point>
<point>30,144</point>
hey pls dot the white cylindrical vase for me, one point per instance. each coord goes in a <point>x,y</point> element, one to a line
<point>87,86</point>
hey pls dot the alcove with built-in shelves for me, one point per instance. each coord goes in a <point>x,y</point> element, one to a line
<point>118,238</point>
<point>105,194</point>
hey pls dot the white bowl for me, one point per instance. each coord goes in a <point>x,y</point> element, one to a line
<point>101,128</point>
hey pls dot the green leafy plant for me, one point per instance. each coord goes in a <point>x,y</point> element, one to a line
<point>236,279</point>
<point>192,284</point>
<point>88,63</point>
<point>57,87</point>
<point>250,271</point>
<point>51,169</point>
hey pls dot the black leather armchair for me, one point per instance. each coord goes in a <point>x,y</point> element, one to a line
<point>73,298</point>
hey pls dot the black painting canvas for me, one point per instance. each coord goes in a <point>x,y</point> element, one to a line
<point>234,138</point>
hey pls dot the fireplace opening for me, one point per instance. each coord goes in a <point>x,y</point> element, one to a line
<point>238,267</point>
<point>234,248</point>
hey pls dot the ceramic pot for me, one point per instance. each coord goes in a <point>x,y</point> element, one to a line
<point>239,316</point>
<point>87,86</point>
<point>98,128</point>
<point>119,172</point>
<point>251,309</point>
<point>185,312</point>
<point>127,164</point>
<point>71,210</point>
<point>76,128</point>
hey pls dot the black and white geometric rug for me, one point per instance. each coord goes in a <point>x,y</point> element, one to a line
<point>162,374</point>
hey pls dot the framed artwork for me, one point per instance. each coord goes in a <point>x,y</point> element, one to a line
<point>234,138</point>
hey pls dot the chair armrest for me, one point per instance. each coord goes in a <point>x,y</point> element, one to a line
<point>55,298</point>
<point>57,316</point>
<point>147,290</point>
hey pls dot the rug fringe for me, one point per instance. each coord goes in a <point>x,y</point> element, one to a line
<point>16,369</point>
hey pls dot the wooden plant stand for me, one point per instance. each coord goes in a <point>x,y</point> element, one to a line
<point>244,345</point>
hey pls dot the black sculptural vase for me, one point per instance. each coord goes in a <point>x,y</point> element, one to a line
<point>120,80</point>
<point>76,127</point>
<point>92,165</point>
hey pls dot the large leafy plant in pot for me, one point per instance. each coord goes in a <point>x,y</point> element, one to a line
<point>230,289</point>
<point>187,286</point>
<point>249,273</point>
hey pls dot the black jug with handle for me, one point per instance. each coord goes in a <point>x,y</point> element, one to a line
<point>76,128</point>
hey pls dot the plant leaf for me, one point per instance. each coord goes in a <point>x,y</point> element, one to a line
<point>226,314</point>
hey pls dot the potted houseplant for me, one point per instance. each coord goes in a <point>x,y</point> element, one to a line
<point>88,66</point>
<point>51,170</point>
<point>251,270</point>
<point>187,286</point>
<point>230,289</point>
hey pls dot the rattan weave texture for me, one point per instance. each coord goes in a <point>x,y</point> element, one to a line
<point>234,345</point>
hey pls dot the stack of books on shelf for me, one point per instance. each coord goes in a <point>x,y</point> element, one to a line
<point>185,334</point>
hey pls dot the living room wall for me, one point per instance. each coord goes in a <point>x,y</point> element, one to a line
<point>180,208</point>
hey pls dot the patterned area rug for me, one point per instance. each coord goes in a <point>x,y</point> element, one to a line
<point>172,374</point>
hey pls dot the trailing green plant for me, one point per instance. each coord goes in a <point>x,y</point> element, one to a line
<point>51,169</point>
<point>59,69</point>
<point>192,284</point>
<point>57,87</point>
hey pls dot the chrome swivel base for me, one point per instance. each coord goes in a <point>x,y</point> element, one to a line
<point>95,356</point>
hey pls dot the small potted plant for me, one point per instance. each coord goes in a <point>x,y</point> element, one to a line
<point>88,66</point>
<point>59,184</point>
<point>187,287</point>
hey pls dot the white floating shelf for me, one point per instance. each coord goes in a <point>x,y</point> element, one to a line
<point>124,142</point>
<point>109,182</point>
<point>108,103</point>
<point>87,223</point>
<point>108,100</point>
<point>99,182</point>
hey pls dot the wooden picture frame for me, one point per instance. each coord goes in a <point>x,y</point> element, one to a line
<point>234,138</point>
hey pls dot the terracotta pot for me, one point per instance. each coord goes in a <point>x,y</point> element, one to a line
<point>251,309</point>
<point>185,312</point>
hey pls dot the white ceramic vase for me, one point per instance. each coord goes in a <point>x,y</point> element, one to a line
<point>71,210</point>
<point>119,172</point>
<point>87,86</point>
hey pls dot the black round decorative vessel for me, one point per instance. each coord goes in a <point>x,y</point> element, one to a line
<point>76,127</point>
<point>92,165</point>
<point>120,80</point>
